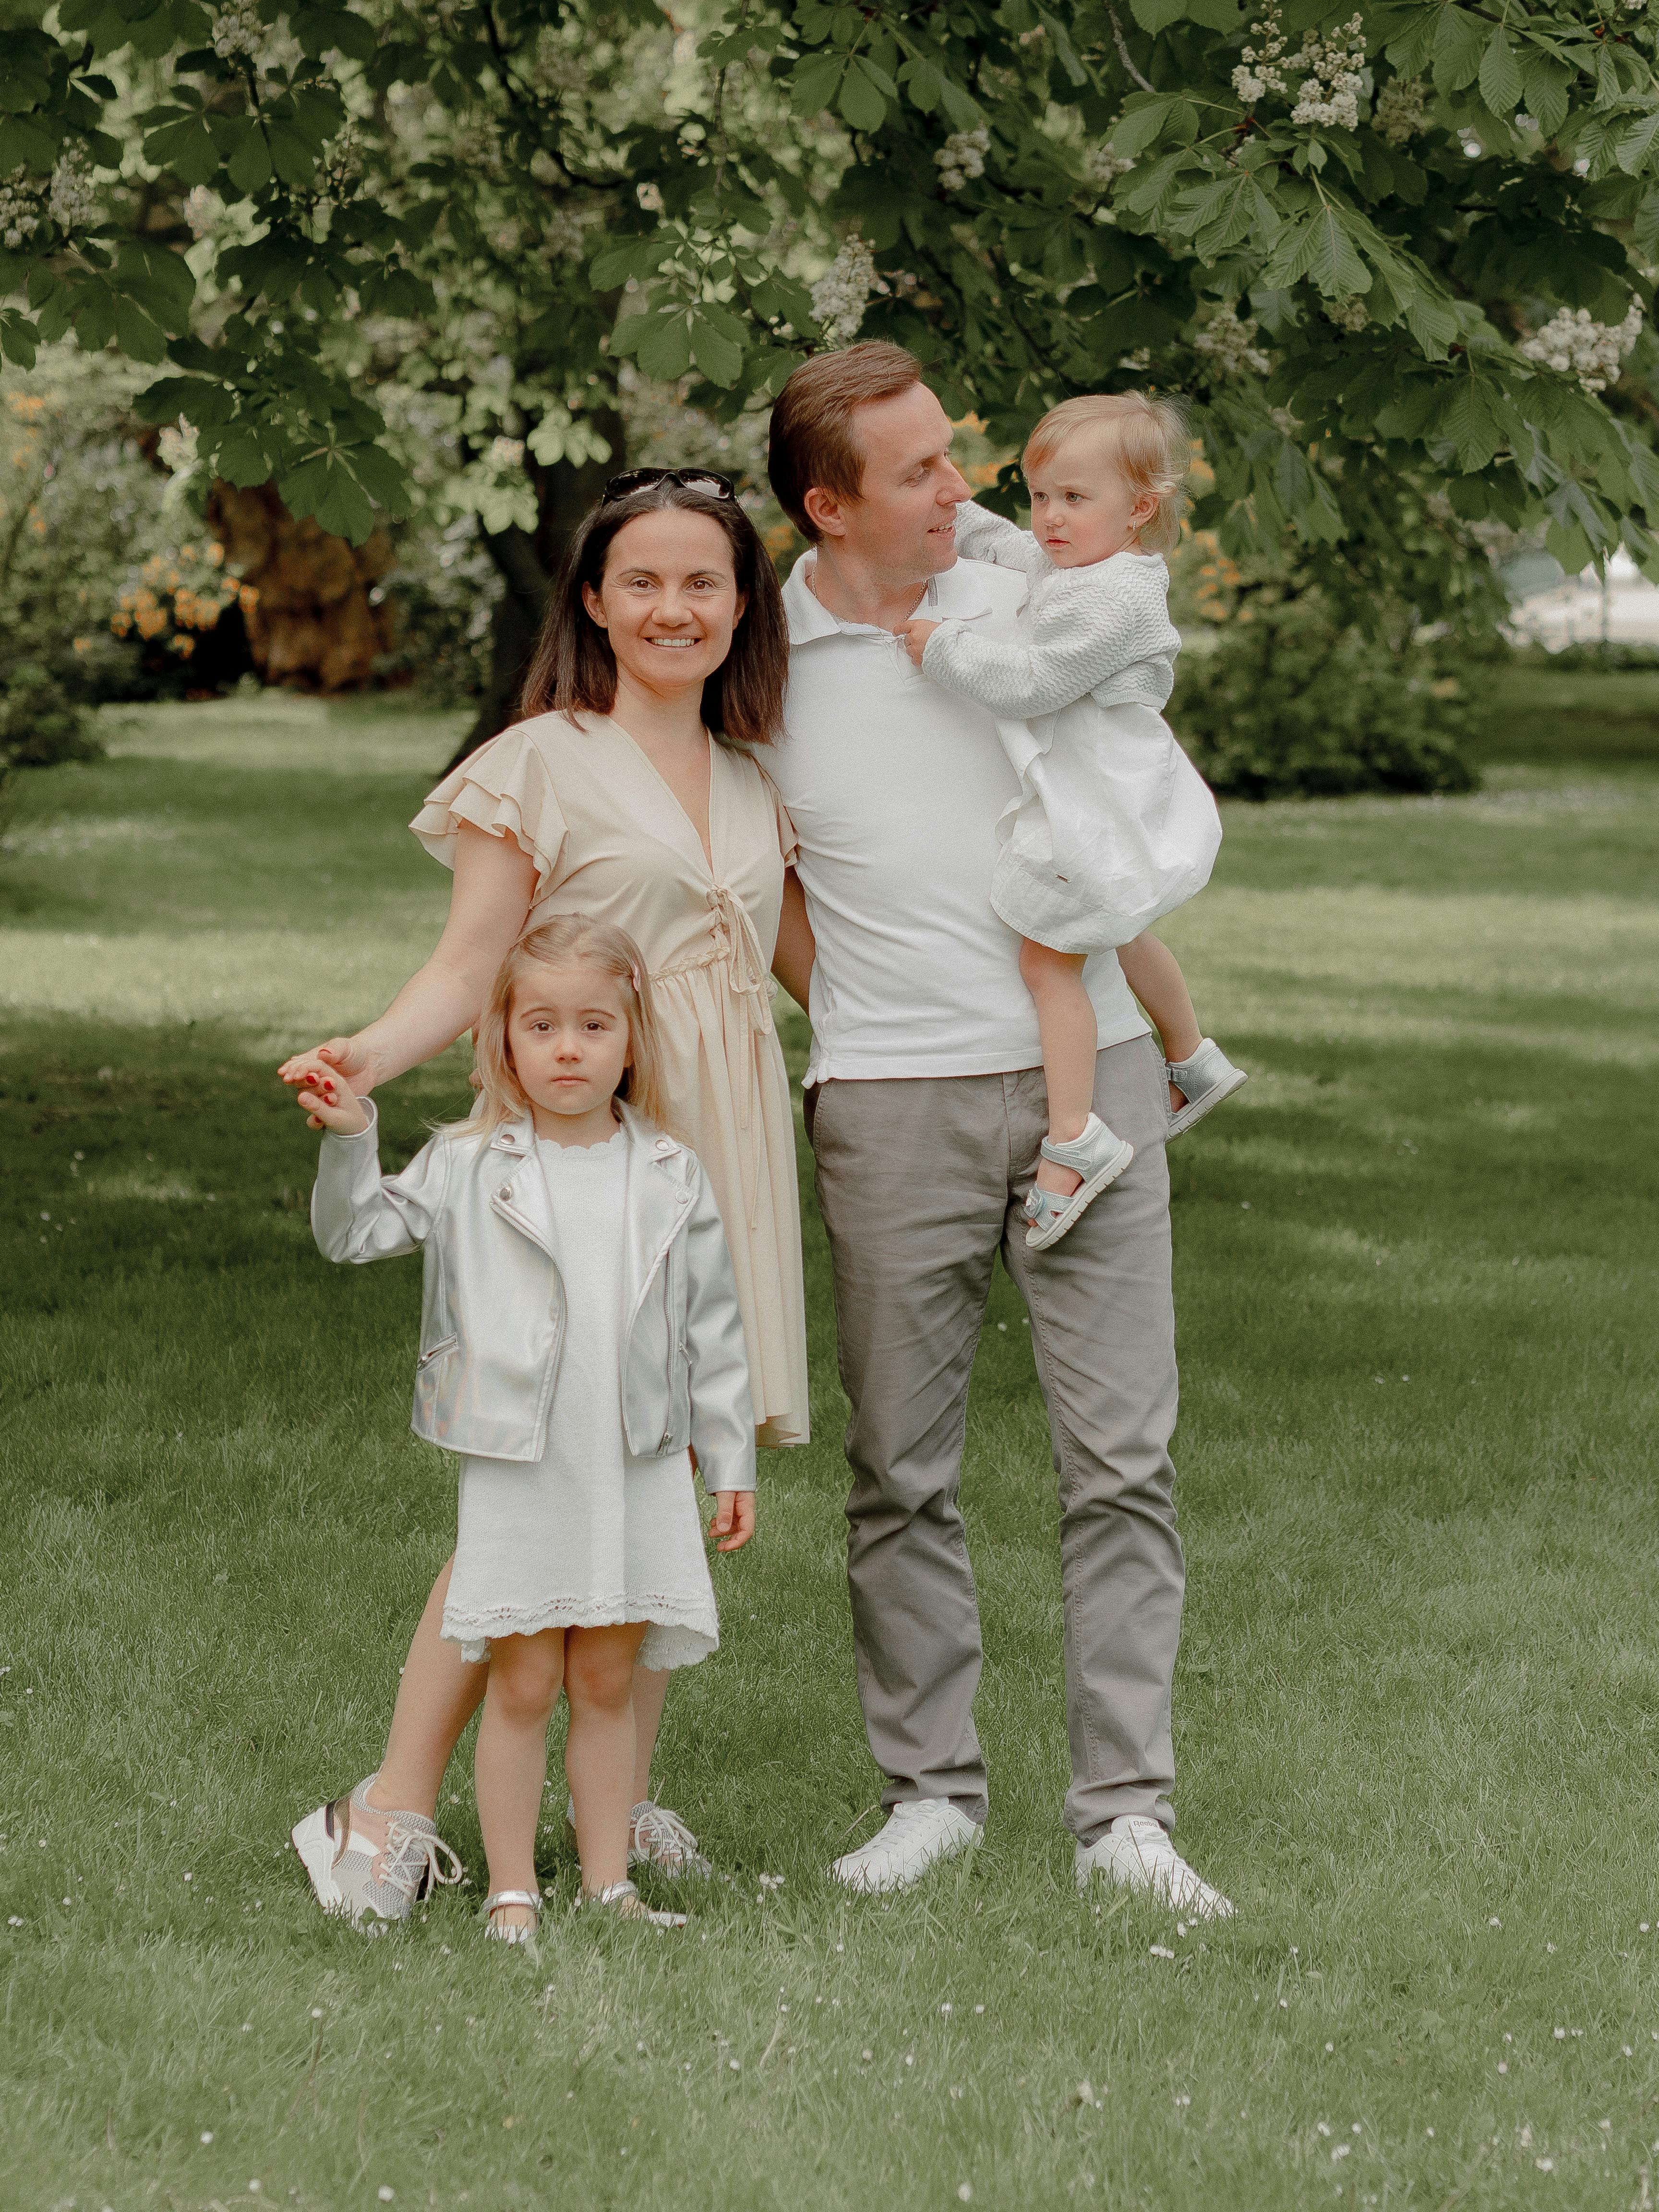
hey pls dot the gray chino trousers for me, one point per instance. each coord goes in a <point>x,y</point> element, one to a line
<point>921,1181</point>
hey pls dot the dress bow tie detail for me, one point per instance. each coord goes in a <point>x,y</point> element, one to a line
<point>735,946</point>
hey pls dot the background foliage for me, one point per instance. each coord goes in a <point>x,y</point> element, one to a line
<point>398,259</point>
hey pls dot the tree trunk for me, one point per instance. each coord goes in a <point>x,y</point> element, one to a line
<point>527,563</point>
<point>313,625</point>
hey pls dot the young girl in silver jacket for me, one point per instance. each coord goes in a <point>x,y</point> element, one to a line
<point>581,1342</point>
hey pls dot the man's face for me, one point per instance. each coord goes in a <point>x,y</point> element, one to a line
<point>904,522</point>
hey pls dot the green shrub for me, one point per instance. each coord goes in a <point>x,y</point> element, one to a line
<point>444,588</point>
<point>42,716</point>
<point>1289,702</point>
<point>1587,658</point>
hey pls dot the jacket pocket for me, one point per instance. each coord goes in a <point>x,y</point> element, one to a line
<point>436,1352</point>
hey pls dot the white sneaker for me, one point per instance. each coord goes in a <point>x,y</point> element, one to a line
<point>1136,1852</point>
<point>371,1870</point>
<point>918,1834</point>
<point>656,1837</point>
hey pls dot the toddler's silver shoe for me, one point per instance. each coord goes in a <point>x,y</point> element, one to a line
<point>625,1901</point>
<point>363,1879</point>
<point>493,1903</point>
<point>1099,1156</point>
<point>1203,1079</point>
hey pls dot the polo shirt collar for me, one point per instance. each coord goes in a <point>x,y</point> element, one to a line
<point>956,595</point>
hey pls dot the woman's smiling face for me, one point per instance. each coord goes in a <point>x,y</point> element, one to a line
<point>668,601</point>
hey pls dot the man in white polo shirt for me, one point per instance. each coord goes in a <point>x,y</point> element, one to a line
<point>926,1105</point>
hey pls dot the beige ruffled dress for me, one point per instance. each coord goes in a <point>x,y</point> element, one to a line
<point>609,839</point>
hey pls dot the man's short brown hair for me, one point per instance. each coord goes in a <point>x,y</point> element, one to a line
<point>813,441</point>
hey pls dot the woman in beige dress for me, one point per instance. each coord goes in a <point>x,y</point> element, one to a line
<point>613,798</point>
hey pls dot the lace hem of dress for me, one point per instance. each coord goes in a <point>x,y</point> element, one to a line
<point>678,1635</point>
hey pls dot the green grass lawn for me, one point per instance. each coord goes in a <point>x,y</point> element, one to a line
<point>1417,1702</point>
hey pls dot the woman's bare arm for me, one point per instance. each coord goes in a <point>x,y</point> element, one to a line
<point>488,905</point>
<point>796,950</point>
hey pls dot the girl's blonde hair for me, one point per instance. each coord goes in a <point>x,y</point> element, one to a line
<point>572,940</point>
<point>1148,440</point>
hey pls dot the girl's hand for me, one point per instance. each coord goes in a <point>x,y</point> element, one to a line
<point>343,1055</point>
<point>733,1523</point>
<point>327,1099</point>
<point>915,635</point>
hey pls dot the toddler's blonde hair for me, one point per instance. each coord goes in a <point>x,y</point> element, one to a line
<point>571,940</point>
<point>1147,439</point>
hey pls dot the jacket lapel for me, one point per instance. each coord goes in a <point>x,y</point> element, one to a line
<point>659,1196</point>
<point>518,1188</point>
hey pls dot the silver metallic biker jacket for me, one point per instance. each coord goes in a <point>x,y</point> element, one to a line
<point>493,1307</point>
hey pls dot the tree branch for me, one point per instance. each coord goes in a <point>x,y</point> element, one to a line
<point>1122,46</point>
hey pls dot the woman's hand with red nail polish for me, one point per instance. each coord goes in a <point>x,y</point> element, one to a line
<point>326,1098</point>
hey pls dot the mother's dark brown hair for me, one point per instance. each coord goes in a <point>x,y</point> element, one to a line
<point>575,670</point>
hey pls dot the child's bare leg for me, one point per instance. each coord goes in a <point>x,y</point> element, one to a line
<point>437,1696</point>
<point>599,1751</point>
<point>1071,1039</point>
<point>525,1676</point>
<point>650,1690</point>
<point>1153,974</point>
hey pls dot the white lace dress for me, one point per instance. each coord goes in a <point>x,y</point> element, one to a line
<point>591,1534</point>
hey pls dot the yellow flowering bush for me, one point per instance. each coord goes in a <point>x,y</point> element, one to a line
<point>172,599</point>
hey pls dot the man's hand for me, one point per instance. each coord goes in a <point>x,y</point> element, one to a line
<point>733,1523</point>
<point>326,1099</point>
<point>915,635</point>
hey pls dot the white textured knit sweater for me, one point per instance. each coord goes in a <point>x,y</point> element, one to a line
<point>1102,632</point>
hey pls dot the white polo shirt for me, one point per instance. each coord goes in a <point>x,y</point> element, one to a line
<point>895,787</point>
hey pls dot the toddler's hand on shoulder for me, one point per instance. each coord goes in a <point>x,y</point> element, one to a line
<point>326,1098</point>
<point>733,1523</point>
<point>915,635</point>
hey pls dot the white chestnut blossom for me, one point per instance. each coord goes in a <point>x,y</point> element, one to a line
<point>963,157</point>
<point>506,453</point>
<point>201,209</point>
<point>20,210</point>
<point>1573,344</point>
<point>1335,78</point>
<point>1261,69</point>
<point>1402,109</point>
<point>1332,70</point>
<point>842,293</point>
<point>1349,313</point>
<point>238,31</point>
<point>562,234</point>
<point>1103,166</point>
<point>177,447</point>
<point>70,199</point>
<point>1227,341</point>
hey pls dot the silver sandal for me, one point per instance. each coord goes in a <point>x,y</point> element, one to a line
<point>1099,1155</point>
<point>625,1901</point>
<point>493,1903</point>
<point>1203,1079</point>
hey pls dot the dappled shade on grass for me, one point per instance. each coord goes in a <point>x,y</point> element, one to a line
<point>1415,1702</point>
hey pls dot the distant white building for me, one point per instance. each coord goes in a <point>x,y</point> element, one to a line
<point>1556,610</point>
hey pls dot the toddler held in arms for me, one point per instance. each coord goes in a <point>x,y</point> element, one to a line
<point>581,1342</point>
<point>1113,825</point>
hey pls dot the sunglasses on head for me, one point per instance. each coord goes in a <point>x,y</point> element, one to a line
<point>708,481</point>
